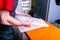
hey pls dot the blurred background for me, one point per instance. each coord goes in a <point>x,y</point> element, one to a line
<point>48,10</point>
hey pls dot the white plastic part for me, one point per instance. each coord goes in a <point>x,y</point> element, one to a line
<point>37,23</point>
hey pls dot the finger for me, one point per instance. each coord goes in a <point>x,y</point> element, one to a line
<point>15,21</point>
<point>18,23</point>
<point>27,24</point>
<point>24,15</point>
<point>21,13</point>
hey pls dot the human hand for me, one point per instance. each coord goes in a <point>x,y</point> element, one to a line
<point>6,19</point>
<point>21,13</point>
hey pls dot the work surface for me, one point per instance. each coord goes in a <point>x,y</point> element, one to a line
<point>47,33</point>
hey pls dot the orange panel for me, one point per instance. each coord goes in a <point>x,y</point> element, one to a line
<point>49,33</point>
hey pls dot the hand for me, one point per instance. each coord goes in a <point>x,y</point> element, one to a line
<point>21,13</point>
<point>6,19</point>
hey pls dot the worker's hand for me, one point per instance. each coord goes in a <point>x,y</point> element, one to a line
<point>21,13</point>
<point>6,19</point>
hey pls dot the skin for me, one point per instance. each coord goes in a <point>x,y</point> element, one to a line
<point>6,19</point>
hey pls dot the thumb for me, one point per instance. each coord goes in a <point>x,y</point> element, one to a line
<point>26,24</point>
<point>14,21</point>
<point>17,22</point>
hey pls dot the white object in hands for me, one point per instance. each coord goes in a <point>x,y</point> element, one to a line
<point>37,23</point>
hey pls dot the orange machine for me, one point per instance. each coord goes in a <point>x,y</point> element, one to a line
<point>48,33</point>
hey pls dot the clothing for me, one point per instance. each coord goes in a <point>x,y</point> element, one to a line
<point>6,5</point>
<point>7,32</point>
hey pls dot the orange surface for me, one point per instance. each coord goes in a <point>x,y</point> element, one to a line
<point>49,33</point>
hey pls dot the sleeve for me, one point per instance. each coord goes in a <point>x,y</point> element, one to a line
<point>9,5</point>
<point>1,4</point>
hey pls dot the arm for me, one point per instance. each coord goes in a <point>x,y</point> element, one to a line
<point>6,19</point>
<point>9,4</point>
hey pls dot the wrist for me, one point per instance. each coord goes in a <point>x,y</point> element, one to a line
<point>6,13</point>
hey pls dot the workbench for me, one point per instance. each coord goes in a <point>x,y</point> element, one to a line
<point>46,33</point>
